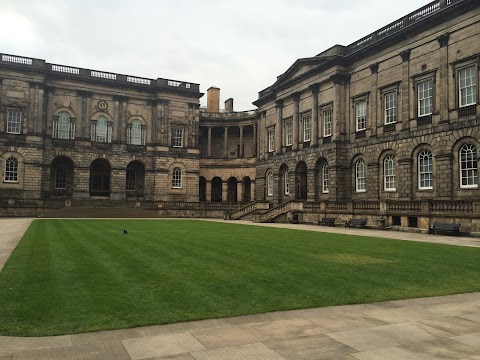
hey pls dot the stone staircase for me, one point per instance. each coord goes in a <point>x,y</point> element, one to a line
<point>248,211</point>
<point>289,206</point>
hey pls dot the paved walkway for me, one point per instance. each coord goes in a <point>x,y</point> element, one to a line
<point>446,327</point>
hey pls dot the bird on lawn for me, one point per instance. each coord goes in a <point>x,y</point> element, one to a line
<point>125,232</point>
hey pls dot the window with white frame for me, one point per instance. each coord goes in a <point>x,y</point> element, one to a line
<point>327,121</point>
<point>467,86</point>
<point>468,166</point>
<point>101,130</point>
<point>288,133</point>
<point>60,177</point>
<point>325,178</point>
<point>63,127</point>
<point>361,115</point>
<point>14,121</point>
<point>425,170</point>
<point>177,136</point>
<point>11,170</point>
<point>270,183</point>
<point>390,101</point>
<point>425,97</point>
<point>130,180</point>
<point>306,123</point>
<point>271,139</point>
<point>136,133</point>
<point>360,172</point>
<point>389,173</point>
<point>286,185</point>
<point>177,178</point>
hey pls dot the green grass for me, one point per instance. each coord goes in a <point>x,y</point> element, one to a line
<point>70,276</point>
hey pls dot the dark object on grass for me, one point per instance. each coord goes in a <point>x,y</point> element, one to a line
<point>125,232</point>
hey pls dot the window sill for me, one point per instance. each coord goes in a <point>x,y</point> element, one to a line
<point>469,187</point>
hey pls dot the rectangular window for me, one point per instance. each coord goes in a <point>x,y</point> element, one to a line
<point>288,133</point>
<point>130,181</point>
<point>61,177</point>
<point>467,85</point>
<point>306,120</point>
<point>271,140</point>
<point>14,121</point>
<point>390,100</point>
<point>361,115</point>
<point>177,140</point>
<point>425,98</point>
<point>327,122</point>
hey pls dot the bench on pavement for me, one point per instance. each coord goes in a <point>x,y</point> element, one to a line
<point>353,223</point>
<point>444,227</point>
<point>326,221</point>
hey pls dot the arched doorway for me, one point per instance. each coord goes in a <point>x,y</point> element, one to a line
<point>232,190</point>
<point>100,178</point>
<point>216,189</point>
<point>202,189</point>
<point>61,176</point>
<point>135,179</point>
<point>301,181</point>
<point>247,189</point>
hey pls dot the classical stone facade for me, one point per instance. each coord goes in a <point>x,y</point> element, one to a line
<point>384,128</point>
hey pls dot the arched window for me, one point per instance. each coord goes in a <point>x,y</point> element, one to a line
<point>177,178</point>
<point>360,184</point>
<point>468,166</point>
<point>286,185</point>
<point>11,170</point>
<point>270,183</point>
<point>389,171</point>
<point>101,130</point>
<point>136,133</point>
<point>63,127</point>
<point>325,179</point>
<point>425,170</point>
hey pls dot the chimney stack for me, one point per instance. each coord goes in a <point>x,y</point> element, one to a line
<point>213,99</point>
<point>229,105</point>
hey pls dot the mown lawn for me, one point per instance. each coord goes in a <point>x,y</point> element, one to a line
<point>71,276</point>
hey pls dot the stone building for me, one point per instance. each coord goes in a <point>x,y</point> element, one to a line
<point>385,128</point>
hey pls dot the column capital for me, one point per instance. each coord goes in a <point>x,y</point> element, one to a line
<point>315,88</point>
<point>374,68</point>
<point>340,78</point>
<point>443,39</point>
<point>278,103</point>
<point>296,96</point>
<point>405,55</point>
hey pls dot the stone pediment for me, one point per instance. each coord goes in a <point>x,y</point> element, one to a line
<point>300,67</point>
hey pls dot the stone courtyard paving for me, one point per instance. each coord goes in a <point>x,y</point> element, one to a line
<point>445,327</point>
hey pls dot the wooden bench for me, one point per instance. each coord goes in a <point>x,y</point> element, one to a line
<point>327,221</point>
<point>353,223</point>
<point>444,227</point>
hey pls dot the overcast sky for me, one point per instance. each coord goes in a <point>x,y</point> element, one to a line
<point>238,46</point>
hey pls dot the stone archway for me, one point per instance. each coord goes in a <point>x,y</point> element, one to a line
<point>216,189</point>
<point>61,176</point>
<point>232,190</point>
<point>247,189</point>
<point>135,179</point>
<point>100,170</point>
<point>202,189</point>
<point>301,181</point>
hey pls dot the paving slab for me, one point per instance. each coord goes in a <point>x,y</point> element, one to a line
<point>256,351</point>
<point>17,344</point>
<point>340,322</point>
<point>12,232</point>
<point>224,337</point>
<point>472,340</point>
<point>392,353</point>
<point>105,336</point>
<point>284,329</point>
<point>173,357</point>
<point>440,349</point>
<point>403,314</point>
<point>410,332</point>
<point>363,339</point>
<point>161,345</point>
<point>454,325</point>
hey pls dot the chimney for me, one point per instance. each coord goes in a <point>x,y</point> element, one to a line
<point>229,105</point>
<point>213,99</point>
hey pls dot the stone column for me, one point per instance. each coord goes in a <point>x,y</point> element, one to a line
<point>295,125</point>
<point>340,80</point>
<point>208,190</point>
<point>443,70</point>
<point>375,122</point>
<point>278,128</point>
<point>117,118</point>
<point>123,136</point>
<point>240,153</point>
<point>40,102</point>
<point>32,114</point>
<point>47,122</point>
<point>224,191</point>
<point>153,131</point>
<point>255,142</point>
<point>209,153</point>
<point>239,191</point>
<point>405,102</point>
<point>225,142</point>
<point>403,177</point>
<point>314,135</point>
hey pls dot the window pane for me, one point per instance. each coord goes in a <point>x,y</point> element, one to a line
<point>63,127</point>
<point>467,81</point>
<point>425,170</point>
<point>389,173</point>
<point>130,180</point>
<point>390,108</point>
<point>177,140</point>
<point>61,177</point>
<point>177,178</point>
<point>13,121</point>
<point>325,179</point>
<point>327,122</point>
<point>101,130</point>
<point>11,170</point>
<point>361,115</point>
<point>136,133</point>
<point>270,183</point>
<point>425,98</point>
<point>468,166</point>
<point>360,183</point>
